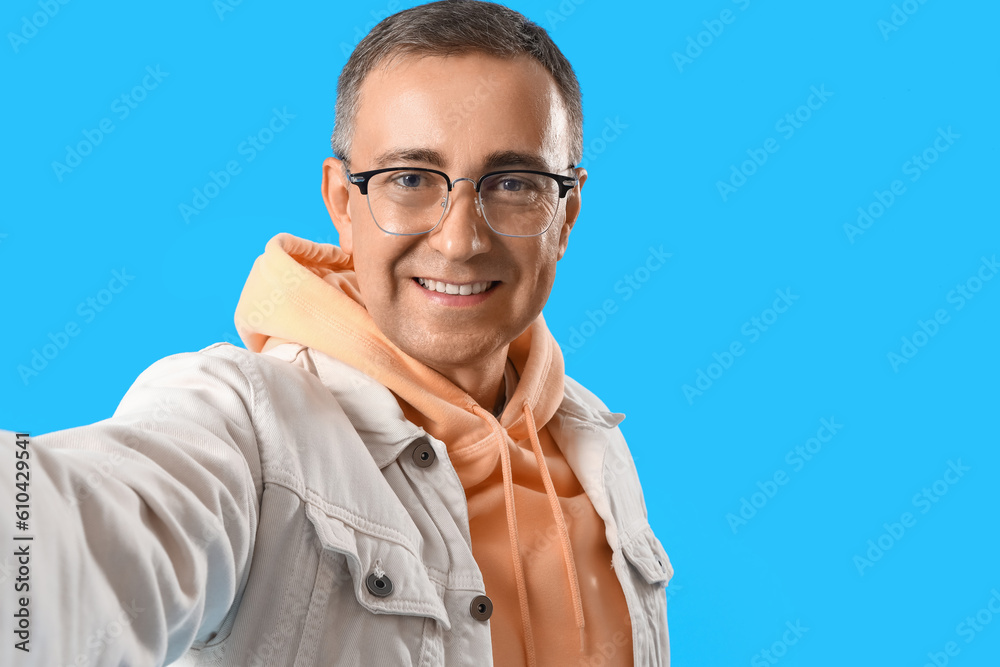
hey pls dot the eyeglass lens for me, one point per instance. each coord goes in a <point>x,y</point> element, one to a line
<point>414,201</point>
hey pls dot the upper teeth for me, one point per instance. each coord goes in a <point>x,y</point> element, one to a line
<point>449,288</point>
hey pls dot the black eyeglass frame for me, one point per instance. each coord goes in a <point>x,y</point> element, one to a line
<point>361,179</point>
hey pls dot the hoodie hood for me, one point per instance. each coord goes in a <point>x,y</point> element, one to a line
<point>307,293</point>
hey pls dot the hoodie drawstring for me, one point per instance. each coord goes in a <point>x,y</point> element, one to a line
<point>574,582</point>
<point>515,544</point>
<point>508,492</point>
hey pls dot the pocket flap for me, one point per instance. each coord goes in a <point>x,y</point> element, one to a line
<point>648,556</point>
<point>413,592</point>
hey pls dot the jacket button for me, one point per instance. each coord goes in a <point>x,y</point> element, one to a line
<point>481,608</point>
<point>423,454</point>
<point>379,586</point>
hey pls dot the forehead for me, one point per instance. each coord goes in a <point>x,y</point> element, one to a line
<point>464,107</point>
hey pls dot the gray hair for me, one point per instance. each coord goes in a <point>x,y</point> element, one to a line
<point>454,27</point>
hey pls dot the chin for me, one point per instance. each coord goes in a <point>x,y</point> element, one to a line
<point>451,351</point>
<point>447,356</point>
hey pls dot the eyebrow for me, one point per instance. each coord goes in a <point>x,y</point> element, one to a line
<point>494,161</point>
<point>501,159</point>
<point>395,156</point>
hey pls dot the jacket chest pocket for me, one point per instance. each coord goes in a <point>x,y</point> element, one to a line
<point>372,602</point>
<point>649,573</point>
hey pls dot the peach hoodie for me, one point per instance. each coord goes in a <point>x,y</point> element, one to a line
<point>546,589</point>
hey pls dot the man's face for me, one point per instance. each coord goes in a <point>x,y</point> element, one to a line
<point>466,116</point>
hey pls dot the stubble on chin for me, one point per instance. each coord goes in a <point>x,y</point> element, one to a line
<point>446,350</point>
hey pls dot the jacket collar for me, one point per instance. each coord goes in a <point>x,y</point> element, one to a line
<point>378,419</point>
<point>371,407</point>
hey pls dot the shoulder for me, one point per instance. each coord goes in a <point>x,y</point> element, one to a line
<point>583,403</point>
<point>230,388</point>
<point>586,420</point>
<point>243,370</point>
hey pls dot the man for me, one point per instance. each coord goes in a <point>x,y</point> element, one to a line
<point>398,470</point>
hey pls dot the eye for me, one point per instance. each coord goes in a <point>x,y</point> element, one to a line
<point>409,179</point>
<point>512,184</point>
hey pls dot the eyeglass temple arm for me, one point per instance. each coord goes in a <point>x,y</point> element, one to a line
<point>360,181</point>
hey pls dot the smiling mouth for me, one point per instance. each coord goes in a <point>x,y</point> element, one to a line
<point>451,288</point>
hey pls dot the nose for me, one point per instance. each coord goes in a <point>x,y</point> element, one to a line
<point>463,232</point>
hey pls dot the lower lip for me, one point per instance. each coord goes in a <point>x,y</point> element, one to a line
<point>459,300</point>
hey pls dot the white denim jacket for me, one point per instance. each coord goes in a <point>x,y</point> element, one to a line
<point>235,507</point>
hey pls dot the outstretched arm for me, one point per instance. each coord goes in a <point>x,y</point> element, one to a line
<point>141,525</point>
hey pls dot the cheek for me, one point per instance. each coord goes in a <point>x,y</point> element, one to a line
<point>368,291</point>
<point>357,209</point>
<point>539,276</point>
<point>369,269</point>
<point>546,258</point>
<point>377,257</point>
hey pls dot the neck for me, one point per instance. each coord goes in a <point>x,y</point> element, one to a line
<point>483,381</point>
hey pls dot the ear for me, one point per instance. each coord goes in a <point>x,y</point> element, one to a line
<point>336,194</point>
<point>573,203</point>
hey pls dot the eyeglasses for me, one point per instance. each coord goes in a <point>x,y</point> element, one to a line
<point>408,201</point>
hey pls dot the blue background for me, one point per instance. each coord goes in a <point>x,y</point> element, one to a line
<point>672,130</point>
